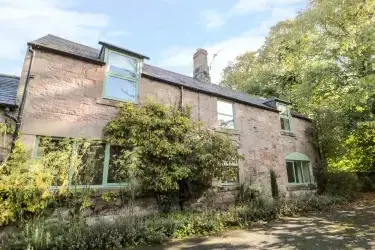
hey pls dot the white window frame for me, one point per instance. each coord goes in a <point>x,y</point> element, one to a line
<point>226,115</point>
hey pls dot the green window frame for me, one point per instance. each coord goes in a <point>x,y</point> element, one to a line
<point>225,115</point>
<point>106,165</point>
<point>299,170</point>
<point>285,117</point>
<point>125,76</point>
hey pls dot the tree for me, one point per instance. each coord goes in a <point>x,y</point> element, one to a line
<point>177,156</point>
<point>323,62</point>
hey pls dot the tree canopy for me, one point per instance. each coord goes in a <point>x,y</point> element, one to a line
<point>323,62</point>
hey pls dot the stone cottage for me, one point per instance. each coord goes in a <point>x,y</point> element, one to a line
<point>72,91</point>
<point>8,94</point>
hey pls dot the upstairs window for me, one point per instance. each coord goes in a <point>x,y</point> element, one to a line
<point>285,118</point>
<point>225,113</point>
<point>122,77</point>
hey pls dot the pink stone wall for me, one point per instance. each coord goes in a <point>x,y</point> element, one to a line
<point>64,99</point>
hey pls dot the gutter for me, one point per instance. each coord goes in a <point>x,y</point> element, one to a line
<point>65,53</point>
<point>18,120</point>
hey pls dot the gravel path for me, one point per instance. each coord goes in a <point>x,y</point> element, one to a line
<point>352,227</point>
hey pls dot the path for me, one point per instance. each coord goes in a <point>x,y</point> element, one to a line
<point>345,228</point>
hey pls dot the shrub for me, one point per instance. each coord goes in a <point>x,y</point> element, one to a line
<point>154,229</point>
<point>307,203</point>
<point>367,185</point>
<point>246,194</point>
<point>343,184</point>
<point>274,186</point>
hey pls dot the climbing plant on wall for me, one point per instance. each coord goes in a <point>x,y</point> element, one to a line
<point>176,155</point>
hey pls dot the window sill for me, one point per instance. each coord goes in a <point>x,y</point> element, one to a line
<point>228,186</point>
<point>107,102</point>
<point>304,186</point>
<point>288,133</point>
<point>231,131</point>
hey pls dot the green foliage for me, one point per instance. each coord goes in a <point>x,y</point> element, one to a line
<point>177,156</point>
<point>29,187</point>
<point>307,203</point>
<point>359,149</point>
<point>153,229</point>
<point>246,194</point>
<point>274,186</point>
<point>342,184</point>
<point>323,62</point>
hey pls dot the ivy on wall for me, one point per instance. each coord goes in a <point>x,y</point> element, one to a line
<point>177,157</point>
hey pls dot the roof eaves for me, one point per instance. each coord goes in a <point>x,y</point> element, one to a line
<point>208,92</point>
<point>65,53</point>
<point>114,47</point>
<point>294,114</point>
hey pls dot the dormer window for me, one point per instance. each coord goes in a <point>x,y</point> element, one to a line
<point>122,77</point>
<point>285,117</point>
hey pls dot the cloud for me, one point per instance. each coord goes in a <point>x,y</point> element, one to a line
<point>180,59</point>
<point>26,20</point>
<point>214,19</point>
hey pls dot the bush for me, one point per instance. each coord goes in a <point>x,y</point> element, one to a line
<point>342,184</point>
<point>154,229</point>
<point>246,194</point>
<point>307,203</point>
<point>367,185</point>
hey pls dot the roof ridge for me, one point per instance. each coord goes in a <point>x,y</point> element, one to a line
<point>10,76</point>
<point>203,82</point>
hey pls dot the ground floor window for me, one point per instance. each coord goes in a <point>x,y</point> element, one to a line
<point>233,171</point>
<point>298,171</point>
<point>91,163</point>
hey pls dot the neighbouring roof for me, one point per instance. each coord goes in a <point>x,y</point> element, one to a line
<point>8,89</point>
<point>66,47</point>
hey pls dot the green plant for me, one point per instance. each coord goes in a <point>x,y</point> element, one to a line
<point>342,184</point>
<point>367,185</point>
<point>274,186</point>
<point>178,157</point>
<point>246,193</point>
<point>303,204</point>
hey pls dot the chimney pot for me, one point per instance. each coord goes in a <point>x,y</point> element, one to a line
<point>201,69</point>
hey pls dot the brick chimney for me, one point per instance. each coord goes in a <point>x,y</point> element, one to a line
<point>201,71</point>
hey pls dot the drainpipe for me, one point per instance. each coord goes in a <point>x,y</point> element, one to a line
<point>18,120</point>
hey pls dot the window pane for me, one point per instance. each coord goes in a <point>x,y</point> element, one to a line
<point>225,108</point>
<point>226,121</point>
<point>120,89</point>
<point>284,110</point>
<point>290,171</point>
<point>285,125</point>
<point>122,65</point>
<point>298,169</point>
<point>306,171</point>
<point>232,175</point>
<point>115,173</point>
<point>90,169</point>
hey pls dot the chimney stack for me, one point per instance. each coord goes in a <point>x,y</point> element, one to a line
<point>201,70</point>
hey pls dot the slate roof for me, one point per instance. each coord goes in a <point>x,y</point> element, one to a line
<point>8,89</point>
<point>60,45</point>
